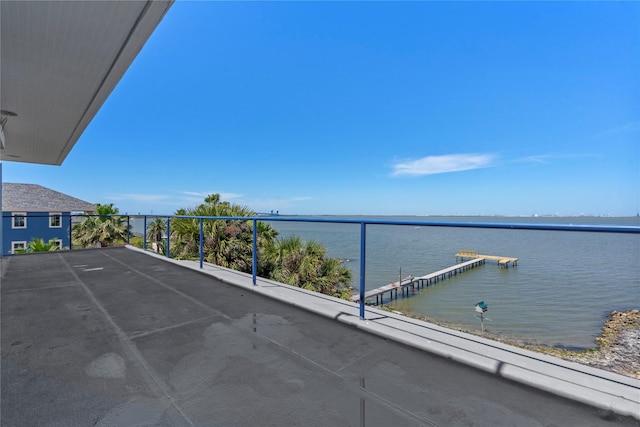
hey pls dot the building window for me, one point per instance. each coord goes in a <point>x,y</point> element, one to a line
<point>18,247</point>
<point>57,243</point>
<point>55,220</point>
<point>19,220</point>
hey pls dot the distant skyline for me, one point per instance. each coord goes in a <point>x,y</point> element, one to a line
<point>371,108</point>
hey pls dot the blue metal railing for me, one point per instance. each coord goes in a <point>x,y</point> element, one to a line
<point>363,234</point>
<point>363,223</point>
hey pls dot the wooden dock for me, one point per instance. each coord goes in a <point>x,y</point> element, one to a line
<point>503,261</point>
<point>410,284</point>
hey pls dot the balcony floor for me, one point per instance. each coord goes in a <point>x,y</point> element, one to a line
<point>113,337</point>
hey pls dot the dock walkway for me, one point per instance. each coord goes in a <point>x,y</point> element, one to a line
<point>411,283</point>
<point>503,261</point>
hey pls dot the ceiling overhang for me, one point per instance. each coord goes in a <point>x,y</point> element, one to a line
<point>59,61</point>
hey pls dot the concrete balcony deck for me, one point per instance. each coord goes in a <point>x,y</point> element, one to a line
<point>117,337</point>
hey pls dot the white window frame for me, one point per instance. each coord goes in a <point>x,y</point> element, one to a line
<point>58,243</point>
<point>14,216</point>
<point>14,244</point>
<point>53,215</point>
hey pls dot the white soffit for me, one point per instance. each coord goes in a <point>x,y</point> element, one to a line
<point>59,61</point>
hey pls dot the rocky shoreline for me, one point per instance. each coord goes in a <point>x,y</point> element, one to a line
<point>618,346</point>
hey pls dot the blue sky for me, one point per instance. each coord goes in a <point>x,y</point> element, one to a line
<point>381,108</point>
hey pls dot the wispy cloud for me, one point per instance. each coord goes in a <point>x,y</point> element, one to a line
<point>538,158</point>
<point>176,197</point>
<point>194,193</point>
<point>432,165</point>
<point>201,195</point>
<point>630,127</point>
<point>546,158</point>
<point>148,198</point>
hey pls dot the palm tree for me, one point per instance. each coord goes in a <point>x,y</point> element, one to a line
<point>86,233</point>
<point>266,237</point>
<point>304,264</point>
<point>228,243</point>
<point>102,230</point>
<point>155,232</point>
<point>38,245</point>
<point>334,278</point>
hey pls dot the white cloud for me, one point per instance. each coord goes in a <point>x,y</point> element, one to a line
<point>630,127</point>
<point>149,198</point>
<point>546,158</point>
<point>201,195</point>
<point>194,193</point>
<point>540,158</point>
<point>432,165</point>
<point>226,196</point>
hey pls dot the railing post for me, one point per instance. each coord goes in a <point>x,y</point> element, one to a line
<point>254,264</point>
<point>128,229</point>
<point>168,252</point>
<point>70,232</point>
<point>363,250</point>
<point>201,235</point>
<point>144,233</point>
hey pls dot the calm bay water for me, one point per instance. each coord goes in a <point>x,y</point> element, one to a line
<point>565,284</point>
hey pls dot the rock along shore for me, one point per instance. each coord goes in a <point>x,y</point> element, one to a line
<point>618,346</point>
